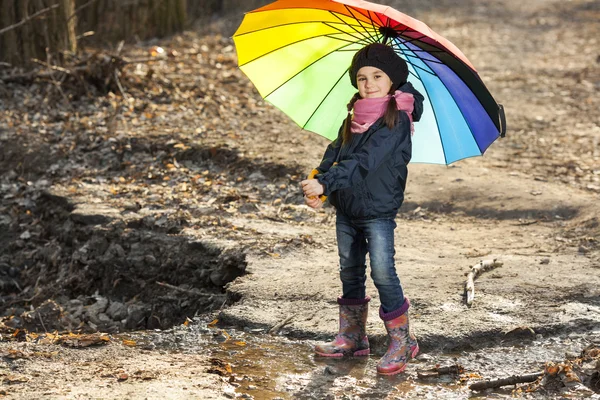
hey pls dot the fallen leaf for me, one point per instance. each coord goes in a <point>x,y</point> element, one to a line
<point>219,367</point>
<point>74,340</point>
<point>213,323</point>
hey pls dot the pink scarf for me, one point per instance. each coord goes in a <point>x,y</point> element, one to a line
<point>367,111</point>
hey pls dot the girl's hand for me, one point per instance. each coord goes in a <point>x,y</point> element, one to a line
<point>313,202</point>
<point>312,187</point>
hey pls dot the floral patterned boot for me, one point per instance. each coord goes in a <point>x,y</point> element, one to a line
<point>352,338</point>
<point>402,343</point>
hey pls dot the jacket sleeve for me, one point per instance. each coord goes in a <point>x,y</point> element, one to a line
<point>418,110</point>
<point>418,104</point>
<point>369,157</point>
<point>331,153</point>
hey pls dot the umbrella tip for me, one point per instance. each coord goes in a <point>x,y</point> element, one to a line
<point>387,33</point>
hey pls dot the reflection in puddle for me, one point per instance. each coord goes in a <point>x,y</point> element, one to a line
<point>274,367</point>
<point>265,367</point>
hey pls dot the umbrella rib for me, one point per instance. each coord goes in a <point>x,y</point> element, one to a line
<point>461,113</point>
<point>453,99</point>
<point>352,26</point>
<point>430,52</point>
<point>435,61</point>
<point>381,23</point>
<point>427,59</point>
<point>357,20</point>
<point>437,124</point>
<point>432,109</point>
<point>464,118</point>
<point>325,97</point>
<point>359,41</point>
<point>371,19</point>
<point>368,15</point>
<point>347,41</point>
<point>406,28</point>
<point>339,30</point>
<point>358,11</point>
<point>422,69</point>
<point>294,23</point>
<point>414,65</point>
<point>405,40</point>
<point>397,47</point>
<point>299,72</point>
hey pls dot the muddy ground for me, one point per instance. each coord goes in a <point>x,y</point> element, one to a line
<point>145,216</point>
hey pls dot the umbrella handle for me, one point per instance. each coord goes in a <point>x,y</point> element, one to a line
<point>312,176</point>
<point>502,120</point>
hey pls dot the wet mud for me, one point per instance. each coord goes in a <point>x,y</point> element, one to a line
<point>265,367</point>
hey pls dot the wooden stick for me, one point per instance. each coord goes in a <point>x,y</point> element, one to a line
<point>29,18</point>
<point>123,93</point>
<point>481,267</point>
<point>50,66</point>
<point>454,369</point>
<point>511,380</point>
<point>277,327</point>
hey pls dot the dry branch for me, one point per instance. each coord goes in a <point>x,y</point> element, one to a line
<point>103,66</point>
<point>81,7</point>
<point>476,270</point>
<point>436,371</point>
<point>50,66</point>
<point>511,380</point>
<point>277,327</point>
<point>29,18</point>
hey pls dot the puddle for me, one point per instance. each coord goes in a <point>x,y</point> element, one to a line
<point>265,367</point>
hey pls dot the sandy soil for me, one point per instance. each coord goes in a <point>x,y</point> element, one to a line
<point>531,202</point>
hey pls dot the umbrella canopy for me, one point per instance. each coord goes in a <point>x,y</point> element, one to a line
<point>297,53</point>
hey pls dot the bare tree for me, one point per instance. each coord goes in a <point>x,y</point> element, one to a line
<point>34,28</point>
<point>43,29</point>
<point>113,20</point>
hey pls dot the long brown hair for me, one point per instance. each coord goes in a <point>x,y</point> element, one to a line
<point>390,117</point>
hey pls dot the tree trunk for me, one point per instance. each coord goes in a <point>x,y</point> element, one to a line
<point>68,14</point>
<point>50,32</point>
<point>204,8</point>
<point>114,20</point>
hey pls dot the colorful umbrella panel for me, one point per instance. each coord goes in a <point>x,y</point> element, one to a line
<point>297,54</point>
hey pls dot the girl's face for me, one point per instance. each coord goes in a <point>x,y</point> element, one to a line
<point>372,83</point>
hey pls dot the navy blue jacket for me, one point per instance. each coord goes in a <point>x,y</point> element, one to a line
<point>369,180</point>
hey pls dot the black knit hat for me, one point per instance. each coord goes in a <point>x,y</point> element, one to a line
<point>380,56</point>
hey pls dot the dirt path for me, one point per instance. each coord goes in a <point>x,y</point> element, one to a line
<point>542,284</point>
<point>196,158</point>
<point>518,203</point>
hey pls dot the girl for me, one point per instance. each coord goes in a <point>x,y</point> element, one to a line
<point>363,172</point>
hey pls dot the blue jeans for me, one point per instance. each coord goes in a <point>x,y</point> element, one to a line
<point>355,239</point>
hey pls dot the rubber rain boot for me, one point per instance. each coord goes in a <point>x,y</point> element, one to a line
<point>402,343</point>
<point>352,338</point>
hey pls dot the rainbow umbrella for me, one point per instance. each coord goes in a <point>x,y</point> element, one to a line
<point>297,54</point>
